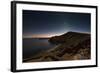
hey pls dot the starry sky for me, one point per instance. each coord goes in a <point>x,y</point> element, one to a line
<point>48,24</point>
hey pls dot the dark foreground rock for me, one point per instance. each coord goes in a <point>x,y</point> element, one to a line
<point>70,46</point>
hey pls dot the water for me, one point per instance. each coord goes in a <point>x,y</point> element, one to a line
<point>32,46</point>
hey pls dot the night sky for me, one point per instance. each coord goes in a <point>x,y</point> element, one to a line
<point>47,24</point>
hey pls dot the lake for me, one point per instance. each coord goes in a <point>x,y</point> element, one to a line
<point>32,46</point>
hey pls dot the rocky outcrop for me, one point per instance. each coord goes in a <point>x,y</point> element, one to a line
<point>69,38</point>
<point>70,46</point>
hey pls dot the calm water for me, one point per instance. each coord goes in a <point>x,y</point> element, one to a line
<point>32,47</point>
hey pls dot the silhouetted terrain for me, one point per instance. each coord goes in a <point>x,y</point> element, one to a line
<point>70,46</point>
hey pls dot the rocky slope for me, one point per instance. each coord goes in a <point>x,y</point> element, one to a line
<point>70,46</point>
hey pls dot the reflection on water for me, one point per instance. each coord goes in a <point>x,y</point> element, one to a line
<point>33,46</point>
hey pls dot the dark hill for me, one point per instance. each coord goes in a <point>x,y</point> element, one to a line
<point>70,46</point>
<point>70,38</point>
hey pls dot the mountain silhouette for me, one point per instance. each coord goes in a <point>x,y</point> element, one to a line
<point>69,46</point>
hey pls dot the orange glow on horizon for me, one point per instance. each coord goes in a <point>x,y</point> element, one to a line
<point>44,35</point>
<point>41,35</point>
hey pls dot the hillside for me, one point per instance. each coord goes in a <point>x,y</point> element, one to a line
<point>70,46</point>
<point>71,38</point>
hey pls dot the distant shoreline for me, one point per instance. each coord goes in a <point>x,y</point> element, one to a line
<point>36,38</point>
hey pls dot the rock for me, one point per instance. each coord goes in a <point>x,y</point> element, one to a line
<point>70,46</point>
